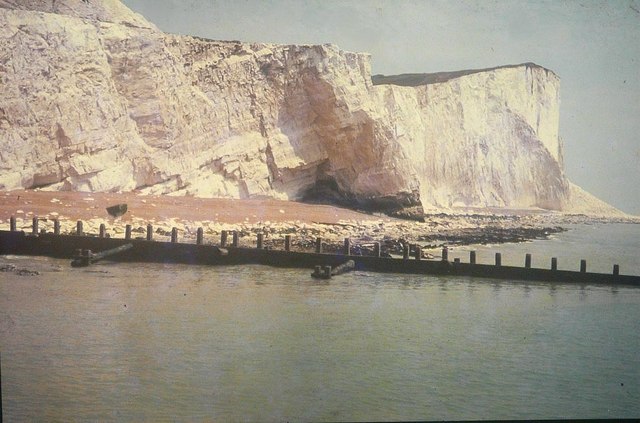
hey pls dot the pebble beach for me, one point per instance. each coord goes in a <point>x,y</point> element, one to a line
<point>275,219</point>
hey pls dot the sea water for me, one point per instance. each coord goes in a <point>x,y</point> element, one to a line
<point>149,342</point>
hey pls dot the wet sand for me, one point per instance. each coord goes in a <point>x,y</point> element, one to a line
<point>92,205</point>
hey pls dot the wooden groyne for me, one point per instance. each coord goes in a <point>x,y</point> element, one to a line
<point>226,252</point>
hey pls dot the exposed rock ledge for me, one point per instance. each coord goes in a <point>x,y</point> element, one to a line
<point>94,98</point>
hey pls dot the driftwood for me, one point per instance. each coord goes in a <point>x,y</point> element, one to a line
<point>327,272</point>
<point>84,258</point>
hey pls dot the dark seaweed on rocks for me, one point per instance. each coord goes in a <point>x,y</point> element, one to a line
<point>489,235</point>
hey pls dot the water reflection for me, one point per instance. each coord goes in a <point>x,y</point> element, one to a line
<point>583,293</point>
<point>442,285</point>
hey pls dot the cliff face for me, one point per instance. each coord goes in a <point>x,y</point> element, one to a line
<point>484,139</point>
<point>95,98</point>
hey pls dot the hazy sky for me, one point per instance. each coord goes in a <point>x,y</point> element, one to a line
<point>594,46</point>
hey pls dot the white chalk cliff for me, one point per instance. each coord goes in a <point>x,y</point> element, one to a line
<point>95,98</point>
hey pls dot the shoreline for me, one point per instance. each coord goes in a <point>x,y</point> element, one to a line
<point>277,218</point>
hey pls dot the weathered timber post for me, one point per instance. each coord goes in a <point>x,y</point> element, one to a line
<point>583,266</point>
<point>260,242</point>
<point>318,245</point>
<point>127,232</point>
<point>498,259</point>
<point>327,272</point>
<point>149,232</point>
<point>472,257</point>
<point>418,252</point>
<point>82,258</point>
<point>405,251</point>
<point>317,270</point>
<point>199,236</point>
<point>174,235</point>
<point>554,263</point>
<point>12,223</point>
<point>527,261</point>
<point>287,242</point>
<point>34,225</point>
<point>103,230</point>
<point>223,239</point>
<point>56,227</point>
<point>347,246</point>
<point>616,269</point>
<point>236,239</point>
<point>79,230</point>
<point>445,253</point>
<point>376,249</point>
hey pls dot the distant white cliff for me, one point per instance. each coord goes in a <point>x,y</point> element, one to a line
<point>95,98</point>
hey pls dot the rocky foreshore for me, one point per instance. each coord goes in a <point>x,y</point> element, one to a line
<point>275,219</point>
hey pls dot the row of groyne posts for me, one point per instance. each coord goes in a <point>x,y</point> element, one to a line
<point>320,271</point>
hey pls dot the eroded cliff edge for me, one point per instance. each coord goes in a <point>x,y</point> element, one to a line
<point>94,98</point>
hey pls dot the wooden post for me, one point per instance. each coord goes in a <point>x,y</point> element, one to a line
<point>583,266</point>
<point>498,259</point>
<point>554,263</point>
<point>405,251</point>
<point>418,252</point>
<point>34,225</point>
<point>376,249</point>
<point>79,230</point>
<point>260,242</point>
<point>445,253</point>
<point>82,258</point>
<point>236,239</point>
<point>199,236</point>
<point>318,245</point>
<point>149,232</point>
<point>127,232</point>
<point>327,272</point>
<point>527,261</point>
<point>347,246</point>
<point>287,242</point>
<point>12,224</point>
<point>56,227</point>
<point>103,231</point>
<point>174,235</point>
<point>317,270</point>
<point>223,239</point>
<point>472,257</point>
<point>616,269</point>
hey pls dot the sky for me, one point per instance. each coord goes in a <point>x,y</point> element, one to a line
<point>592,45</point>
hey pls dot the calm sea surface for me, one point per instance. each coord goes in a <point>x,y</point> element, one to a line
<point>132,342</point>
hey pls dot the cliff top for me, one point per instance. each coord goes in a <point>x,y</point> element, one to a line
<point>95,10</point>
<point>417,79</point>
